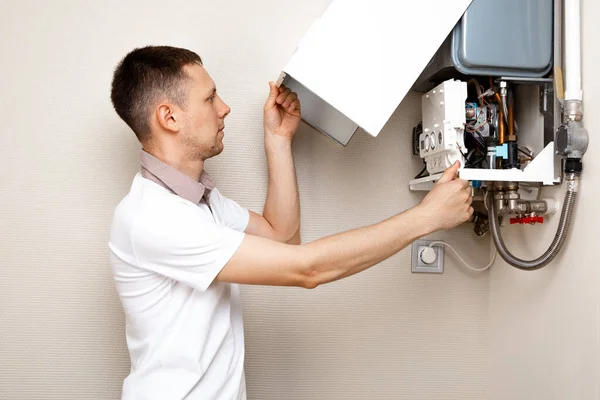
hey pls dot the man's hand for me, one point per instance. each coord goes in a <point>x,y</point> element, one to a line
<point>282,112</point>
<point>449,202</point>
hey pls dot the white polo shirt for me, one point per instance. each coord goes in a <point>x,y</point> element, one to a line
<point>184,330</point>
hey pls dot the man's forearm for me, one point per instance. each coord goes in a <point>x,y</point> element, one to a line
<point>282,207</point>
<point>260,261</point>
<point>266,262</point>
<point>338,256</point>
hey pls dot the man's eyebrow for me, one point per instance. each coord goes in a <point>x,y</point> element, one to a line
<point>212,91</point>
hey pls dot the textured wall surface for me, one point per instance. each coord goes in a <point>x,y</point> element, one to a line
<point>67,160</point>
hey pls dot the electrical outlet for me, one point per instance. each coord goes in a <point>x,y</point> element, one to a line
<point>425,259</point>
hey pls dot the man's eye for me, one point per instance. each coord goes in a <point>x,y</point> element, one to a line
<point>211,98</point>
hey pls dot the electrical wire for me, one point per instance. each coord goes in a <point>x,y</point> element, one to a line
<point>420,174</point>
<point>495,252</point>
<point>478,88</point>
<point>483,150</point>
<point>477,162</point>
<point>471,127</point>
<point>479,139</point>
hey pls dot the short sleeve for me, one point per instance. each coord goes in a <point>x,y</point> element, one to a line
<point>183,246</point>
<point>234,216</point>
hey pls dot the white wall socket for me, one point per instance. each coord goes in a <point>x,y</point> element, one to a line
<point>419,258</point>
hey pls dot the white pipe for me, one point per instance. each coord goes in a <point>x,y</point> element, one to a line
<point>573,50</point>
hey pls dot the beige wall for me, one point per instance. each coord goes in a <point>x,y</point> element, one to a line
<point>545,325</point>
<point>67,160</point>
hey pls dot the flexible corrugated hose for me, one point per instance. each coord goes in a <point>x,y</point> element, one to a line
<point>559,238</point>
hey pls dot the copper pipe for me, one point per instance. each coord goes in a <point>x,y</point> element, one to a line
<point>511,122</point>
<point>500,120</point>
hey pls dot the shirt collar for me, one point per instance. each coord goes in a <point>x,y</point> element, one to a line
<point>174,180</point>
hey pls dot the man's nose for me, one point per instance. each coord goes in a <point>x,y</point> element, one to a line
<point>225,110</point>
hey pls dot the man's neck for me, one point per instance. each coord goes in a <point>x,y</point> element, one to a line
<point>193,168</point>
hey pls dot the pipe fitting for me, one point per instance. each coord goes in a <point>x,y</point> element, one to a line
<point>573,182</point>
<point>552,206</point>
<point>506,186</point>
<point>573,110</point>
<point>531,207</point>
<point>508,201</point>
<point>499,203</point>
<point>512,198</point>
<point>571,139</point>
<point>503,88</point>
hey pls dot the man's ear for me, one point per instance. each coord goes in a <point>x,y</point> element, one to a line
<point>168,118</point>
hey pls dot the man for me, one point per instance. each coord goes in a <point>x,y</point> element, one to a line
<point>179,248</point>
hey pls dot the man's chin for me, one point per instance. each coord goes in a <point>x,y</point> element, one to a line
<point>217,149</point>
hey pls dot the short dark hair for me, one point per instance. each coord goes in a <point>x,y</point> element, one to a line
<point>145,74</point>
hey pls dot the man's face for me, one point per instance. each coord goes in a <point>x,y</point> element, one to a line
<point>204,118</point>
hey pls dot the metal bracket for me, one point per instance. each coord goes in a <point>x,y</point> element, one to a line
<point>547,109</point>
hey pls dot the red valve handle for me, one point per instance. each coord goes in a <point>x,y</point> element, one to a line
<point>527,220</point>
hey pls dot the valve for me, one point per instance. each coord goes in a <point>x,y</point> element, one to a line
<point>532,220</point>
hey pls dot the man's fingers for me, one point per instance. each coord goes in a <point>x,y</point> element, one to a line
<point>463,183</point>
<point>469,199</point>
<point>450,173</point>
<point>291,97</point>
<point>283,95</point>
<point>273,93</point>
<point>294,106</point>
